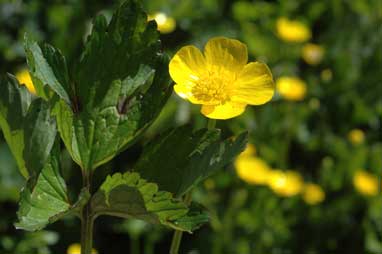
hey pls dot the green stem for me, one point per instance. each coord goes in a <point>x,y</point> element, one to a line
<point>149,247</point>
<point>177,238</point>
<point>134,248</point>
<point>211,124</point>
<point>87,221</point>
<point>175,244</point>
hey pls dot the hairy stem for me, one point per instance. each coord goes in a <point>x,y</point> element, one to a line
<point>87,220</point>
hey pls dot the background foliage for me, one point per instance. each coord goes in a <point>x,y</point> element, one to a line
<point>309,133</point>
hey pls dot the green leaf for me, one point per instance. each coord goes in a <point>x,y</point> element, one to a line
<point>14,103</point>
<point>47,67</point>
<point>122,83</point>
<point>44,199</point>
<point>129,196</point>
<point>187,157</point>
<point>39,135</point>
<point>116,51</point>
<point>28,128</point>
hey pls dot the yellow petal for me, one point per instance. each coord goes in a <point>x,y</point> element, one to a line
<point>254,85</point>
<point>366,183</point>
<point>252,169</point>
<point>313,194</point>
<point>250,150</point>
<point>224,111</point>
<point>292,30</point>
<point>24,78</point>
<point>166,24</point>
<point>313,53</point>
<point>228,53</point>
<point>291,88</point>
<point>185,92</point>
<point>285,183</point>
<point>356,136</point>
<point>186,65</point>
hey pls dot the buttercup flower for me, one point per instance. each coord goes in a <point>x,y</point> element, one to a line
<point>75,248</point>
<point>291,88</point>
<point>250,150</point>
<point>312,53</point>
<point>366,183</point>
<point>285,183</point>
<point>313,194</point>
<point>165,23</point>
<point>292,31</point>
<point>251,169</point>
<point>221,80</point>
<point>24,77</point>
<point>356,136</point>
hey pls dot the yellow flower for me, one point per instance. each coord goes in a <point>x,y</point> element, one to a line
<point>285,183</point>
<point>312,53</point>
<point>292,31</point>
<point>165,23</point>
<point>75,248</point>
<point>313,194</point>
<point>366,183</point>
<point>220,79</point>
<point>24,77</point>
<point>326,75</point>
<point>250,150</point>
<point>251,169</point>
<point>356,136</point>
<point>291,88</point>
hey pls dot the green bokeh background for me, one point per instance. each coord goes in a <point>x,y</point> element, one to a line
<point>309,136</point>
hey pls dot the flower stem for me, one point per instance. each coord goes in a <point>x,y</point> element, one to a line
<point>177,238</point>
<point>211,124</point>
<point>86,219</point>
<point>175,244</point>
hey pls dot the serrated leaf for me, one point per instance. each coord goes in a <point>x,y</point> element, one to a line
<point>44,199</point>
<point>187,157</point>
<point>122,84</point>
<point>47,67</point>
<point>14,103</point>
<point>129,196</point>
<point>39,135</point>
<point>116,51</point>
<point>29,128</point>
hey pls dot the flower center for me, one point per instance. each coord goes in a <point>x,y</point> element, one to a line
<point>215,86</point>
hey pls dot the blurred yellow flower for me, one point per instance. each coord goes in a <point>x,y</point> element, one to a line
<point>356,136</point>
<point>75,248</point>
<point>165,23</point>
<point>250,150</point>
<point>313,194</point>
<point>251,169</point>
<point>292,31</point>
<point>366,183</point>
<point>24,77</point>
<point>326,75</point>
<point>220,79</point>
<point>291,88</point>
<point>312,53</point>
<point>285,183</point>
